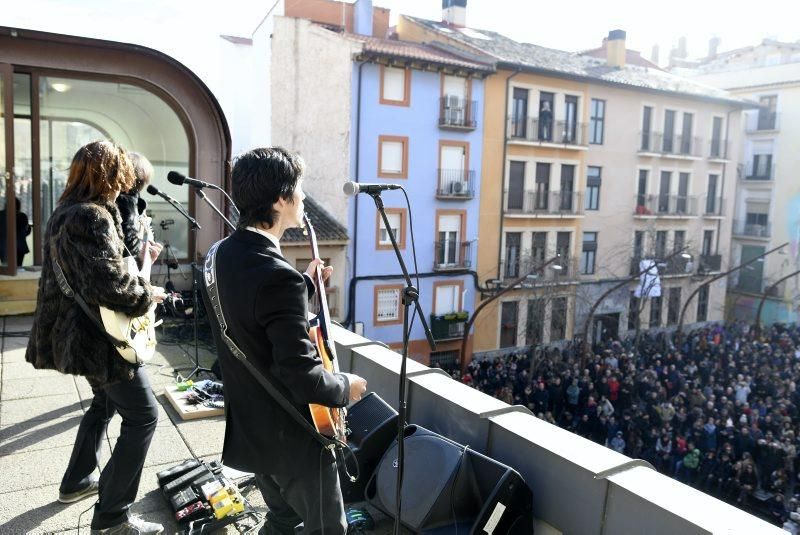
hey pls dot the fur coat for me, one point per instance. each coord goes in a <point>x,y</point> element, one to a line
<point>88,242</point>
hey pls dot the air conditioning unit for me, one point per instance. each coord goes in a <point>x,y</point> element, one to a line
<point>459,188</point>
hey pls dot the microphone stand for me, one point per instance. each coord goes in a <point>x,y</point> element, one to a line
<point>202,195</point>
<point>410,296</point>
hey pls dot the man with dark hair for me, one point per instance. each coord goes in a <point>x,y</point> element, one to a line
<point>265,302</point>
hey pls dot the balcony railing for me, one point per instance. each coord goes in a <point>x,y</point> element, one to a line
<point>675,145</point>
<point>537,130</point>
<point>713,206</point>
<point>448,326</point>
<point>743,228</point>
<point>570,269</point>
<point>718,149</point>
<point>709,263</point>
<point>762,121</point>
<point>457,113</point>
<point>677,265</point>
<point>557,203</point>
<point>452,255</point>
<point>761,172</point>
<point>665,205</point>
<point>456,184</point>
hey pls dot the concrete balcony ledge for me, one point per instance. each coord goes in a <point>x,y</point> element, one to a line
<point>579,487</point>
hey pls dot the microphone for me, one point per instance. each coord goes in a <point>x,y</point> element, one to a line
<point>179,179</point>
<point>354,188</point>
<point>152,190</point>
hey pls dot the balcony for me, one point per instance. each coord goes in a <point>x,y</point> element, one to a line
<point>677,265</point>
<point>544,204</point>
<point>448,326</point>
<point>457,113</point>
<point>709,263</point>
<point>751,171</point>
<point>762,121</point>
<point>570,269</point>
<point>455,184</point>
<point>665,206</point>
<point>713,206</point>
<point>675,146</point>
<point>750,230</point>
<point>449,255</point>
<point>568,133</point>
<point>718,149</point>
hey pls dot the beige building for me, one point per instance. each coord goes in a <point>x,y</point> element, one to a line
<point>607,160</point>
<point>767,202</point>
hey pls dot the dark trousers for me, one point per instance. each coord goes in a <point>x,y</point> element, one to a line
<point>315,499</point>
<point>119,480</point>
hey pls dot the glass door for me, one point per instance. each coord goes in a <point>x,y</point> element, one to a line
<point>8,249</point>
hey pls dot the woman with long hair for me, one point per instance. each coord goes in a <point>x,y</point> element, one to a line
<point>84,238</point>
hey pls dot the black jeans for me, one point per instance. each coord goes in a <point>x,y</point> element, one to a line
<point>314,498</point>
<point>119,480</point>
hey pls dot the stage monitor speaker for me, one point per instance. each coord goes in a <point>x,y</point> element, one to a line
<point>372,425</point>
<point>448,489</point>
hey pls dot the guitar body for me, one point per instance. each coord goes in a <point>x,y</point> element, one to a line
<point>330,422</point>
<point>139,333</point>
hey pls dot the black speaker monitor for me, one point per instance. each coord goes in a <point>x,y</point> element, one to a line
<point>448,488</point>
<point>372,425</point>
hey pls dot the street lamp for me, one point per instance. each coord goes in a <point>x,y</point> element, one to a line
<point>759,258</point>
<point>500,292</point>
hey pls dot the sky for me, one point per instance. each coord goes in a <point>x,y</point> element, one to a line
<point>573,26</point>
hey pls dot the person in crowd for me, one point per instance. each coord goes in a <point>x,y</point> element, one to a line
<point>23,230</point>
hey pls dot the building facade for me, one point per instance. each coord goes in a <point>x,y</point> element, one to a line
<point>594,163</point>
<point>766,213</point>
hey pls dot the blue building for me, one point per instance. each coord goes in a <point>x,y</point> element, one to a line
<point>416,121</point>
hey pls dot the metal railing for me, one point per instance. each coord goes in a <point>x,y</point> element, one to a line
<point>709,263</point>
<point>448,326</point>
<point>713,206</point>
<point>457,112</point>
<point>718,149</point>
<point>544,203</point>
<point>761,121</point>
<point>675,145</point>
<point>452,255</point>
<point>570,269</point>
<point>537,130</point>
<point>743,228</point>
<point>456,184</point>
<point>752,172</point>
<point>665,205</point>
<point>676,265</point>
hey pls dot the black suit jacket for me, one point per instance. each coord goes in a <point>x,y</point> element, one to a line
<point>265,302</point>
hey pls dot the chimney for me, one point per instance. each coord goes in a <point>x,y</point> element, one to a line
<point>654,55</point>
<point>713,47</point>
<point>362,13</point>
<point>454,13</point>
<point>615,48</point>
<point>683,53</point>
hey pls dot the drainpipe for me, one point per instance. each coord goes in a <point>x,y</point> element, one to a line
<point>503,173</point>
<point>722,181</point>
<point>351,305</point>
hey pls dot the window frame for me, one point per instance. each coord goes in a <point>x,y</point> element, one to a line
<point>404,168</point>
<point>386,287</point>
<point>401,239</point>
<point>406,87</point>
<point>594,120</point>
<point>443,283</point>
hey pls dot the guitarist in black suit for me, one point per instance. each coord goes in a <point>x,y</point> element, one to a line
<point>265,302</point>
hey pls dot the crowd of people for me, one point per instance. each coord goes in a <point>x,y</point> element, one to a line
<point>718,412</point>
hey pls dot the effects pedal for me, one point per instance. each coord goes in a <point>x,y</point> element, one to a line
<point>165,476</point>
<point>191,512</point>
<point>183,498</point>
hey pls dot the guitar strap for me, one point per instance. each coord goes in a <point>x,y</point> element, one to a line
<point>67,290</point>
<point>210,279</point>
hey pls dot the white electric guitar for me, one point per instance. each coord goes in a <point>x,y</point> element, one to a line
<point>138,333</point>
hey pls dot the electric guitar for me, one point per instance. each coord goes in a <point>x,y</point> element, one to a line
<point>138,333</point>
<point>329,422</point>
